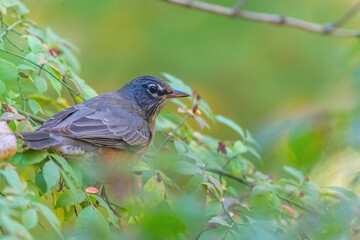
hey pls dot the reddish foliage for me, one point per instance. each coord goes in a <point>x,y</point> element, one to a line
<point>222,148</point>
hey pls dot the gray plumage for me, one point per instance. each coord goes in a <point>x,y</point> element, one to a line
<point>120,120</point>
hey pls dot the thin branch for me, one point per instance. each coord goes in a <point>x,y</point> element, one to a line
<point>239,5</point>
<point>10,27</point>
<point>270,18</point>
<point>168,138</point>
<point>50,73</point>
<point>346,17</point>
<point>221,173</point>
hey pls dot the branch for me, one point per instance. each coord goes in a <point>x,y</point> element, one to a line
<point>221,173</point>
<point>276,19</point>
<point>50,73</point>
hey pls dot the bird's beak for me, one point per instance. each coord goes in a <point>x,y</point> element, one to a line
<point>177,94</point>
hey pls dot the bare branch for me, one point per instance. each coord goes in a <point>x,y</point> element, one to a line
<point>275,18</point>
<point>346,17</point>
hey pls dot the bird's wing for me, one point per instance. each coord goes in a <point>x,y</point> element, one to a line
<point>101,124</point>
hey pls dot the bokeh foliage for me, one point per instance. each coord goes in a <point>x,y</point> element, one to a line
<point>191,185</point>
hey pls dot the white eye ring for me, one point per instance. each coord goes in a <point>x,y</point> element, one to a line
<point>152,88</point>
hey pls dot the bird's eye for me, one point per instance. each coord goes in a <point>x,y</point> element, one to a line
<point>152,89</point>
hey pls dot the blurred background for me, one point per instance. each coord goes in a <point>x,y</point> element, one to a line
<point>296,91</point>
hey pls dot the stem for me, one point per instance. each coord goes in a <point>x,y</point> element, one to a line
<point>221,173</point>
<point>10,27</point>
<point>50,73</point>
<point>168,138</point>
<point>272,18</point>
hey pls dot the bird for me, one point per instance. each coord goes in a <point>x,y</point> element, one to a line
<point>109,124</point>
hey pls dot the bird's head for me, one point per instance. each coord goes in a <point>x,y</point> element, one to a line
<point>151,94</point>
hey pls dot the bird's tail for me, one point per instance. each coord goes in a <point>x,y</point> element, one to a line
<point>38,140</point>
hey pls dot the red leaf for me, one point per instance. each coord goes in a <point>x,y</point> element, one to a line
<point>289,209</point>
<point>92,190</point>
<point>222,148</point>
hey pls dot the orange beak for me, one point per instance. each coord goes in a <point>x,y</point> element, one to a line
<point>177,94</point>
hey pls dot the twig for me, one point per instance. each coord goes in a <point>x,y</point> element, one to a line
<point>71,94</point>
<point>346,17</point>
<point>103,193</point>
<point>167,139</point>
<point>35,118</point>
<point>10,27</point>
<point>270,18</point>
<point>50,73</point>
<point>243,181</point>
<point>239,6</point>
<point>221,173</point>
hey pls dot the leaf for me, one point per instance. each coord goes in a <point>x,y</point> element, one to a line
<point>34,43</point>
<point>40,182</point>
<point>49,215</point>
<point>93,223</point>
<point>214,234</point>
<point>186,168</point>
<point>80,84</point>
<point>177,83</point>
<point>295,173</point>
<point>180,146</point>
<point>239,148</point>
<point>34,106</point>
<point>153,192</point>
<point>195,182</point>
<point>230,123</point>
<point>219,221</point>
<point>29,218</point>
<point>92,190</point>
<point>216,183</point>
<point>25,67</point>
<point>12,179</point>
<point>201,122</point>
<point>8,70</point>
<point>67,168</point>
<point>40,84</point>
<point>69,198</point>
<point>51,174</point>
<point>54,78</point>
<point>34,156</point>
<point>259,190</point>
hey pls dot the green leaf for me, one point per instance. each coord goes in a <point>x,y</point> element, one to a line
<point>214,234</point>
<point>230,123</point>
<point>40,182</point>
<point>31,157</point>
<point>69,198</point>
<point>195,183</point>
<point>34,106</point>
<point>26,67</point>
<point>40,84</point>
<point>295,173</point>
<point>8,70</point>
<point>67,168</point>
<point>29,218</point>
<point>80,84</point>
<point>49,215</point>
<point>13,179</point>
<point>92,223</point>
<point>51,174</point>
<point>219,221</point>
<point>34,43</point>
<point>153,192</point>
<point>177,83</point>
<point>186,168</point>
<point>54,78</point>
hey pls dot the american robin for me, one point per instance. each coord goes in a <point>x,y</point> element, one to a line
<point>111,123</point>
